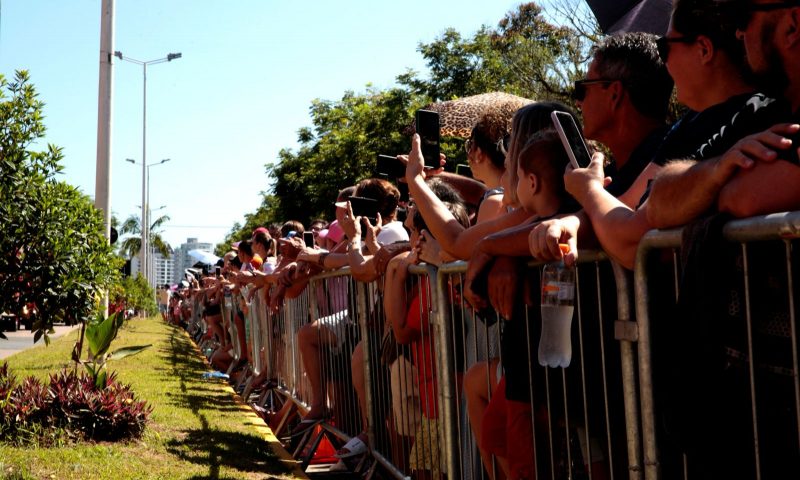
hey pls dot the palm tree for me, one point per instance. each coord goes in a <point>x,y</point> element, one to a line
<point>132,245</point>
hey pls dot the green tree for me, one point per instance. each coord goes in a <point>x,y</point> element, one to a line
<point>132,245</point>
<point>525,54</point>
<point>55,261</point>
<point>134,292</point>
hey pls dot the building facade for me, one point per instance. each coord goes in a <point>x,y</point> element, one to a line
<point>182,260</point>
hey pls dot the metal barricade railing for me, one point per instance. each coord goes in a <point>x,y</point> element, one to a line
<point>584,415</point>
<point>764,424</point>
<point>256,314</point>
<point>332,335</point>
<point>597,391</point>
<point>228,310</point>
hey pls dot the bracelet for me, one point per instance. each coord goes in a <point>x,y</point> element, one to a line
<point>321,259</point>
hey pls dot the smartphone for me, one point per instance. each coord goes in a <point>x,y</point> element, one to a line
<point>365,207</point>
<point>403,187</point>
<point>218,271</point>
<point>308,239</point>
<point>427,123</point>
<point>463,170</point>
<point>572,139</point>
<point>390,166</point>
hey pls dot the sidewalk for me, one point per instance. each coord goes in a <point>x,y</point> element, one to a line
<point>23,340</point>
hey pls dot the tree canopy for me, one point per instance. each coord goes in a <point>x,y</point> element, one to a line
<point>525,54</point>
<point>54,258</point>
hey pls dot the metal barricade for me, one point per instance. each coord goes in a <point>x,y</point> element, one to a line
<point>761,408</point>
<point>257,312</point>
<point>586,411</point>
<point>230,326</point>
<point>416,411</point>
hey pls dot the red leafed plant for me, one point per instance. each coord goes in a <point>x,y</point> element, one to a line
<point>69,408</point>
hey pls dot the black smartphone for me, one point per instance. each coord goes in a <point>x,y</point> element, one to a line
<point>365,207</point>
<point>572,139</point>
<point>463,170</point>
<point>403,187</point>
<point>427,123</point>
<point>390,166</point>
<point>217,271</point>
<point>308,239</point>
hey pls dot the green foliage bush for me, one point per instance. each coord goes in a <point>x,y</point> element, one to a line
<point>134,292</point>
<point>54,258</point>
<point>68,408</point>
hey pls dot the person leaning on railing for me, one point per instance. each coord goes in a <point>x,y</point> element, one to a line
<point>758,175</point>
<point>407,309</point>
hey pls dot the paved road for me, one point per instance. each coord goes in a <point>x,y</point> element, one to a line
<point>23,339</point>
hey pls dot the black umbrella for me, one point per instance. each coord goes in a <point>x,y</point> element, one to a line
<point>650,16</point>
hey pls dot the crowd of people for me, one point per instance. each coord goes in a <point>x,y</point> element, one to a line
<point>735,67</point>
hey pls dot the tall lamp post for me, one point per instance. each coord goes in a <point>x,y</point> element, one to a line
<point>145,227</point>
<point>152,253</point>
<point>145,221</point>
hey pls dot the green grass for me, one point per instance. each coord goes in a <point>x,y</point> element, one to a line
<point>197,430</point>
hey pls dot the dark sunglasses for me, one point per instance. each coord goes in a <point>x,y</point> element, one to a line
<point>662,44</point>
<point>743,13</point>
<point>579,91</point>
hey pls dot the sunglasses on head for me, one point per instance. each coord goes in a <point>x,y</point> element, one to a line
<point>742,14</point>
<point>663,45</point>
<point>579,90</point>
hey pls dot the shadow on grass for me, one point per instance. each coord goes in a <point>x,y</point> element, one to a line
<point>217,449</point>
<point>210,446</point>
<point>204,401</point>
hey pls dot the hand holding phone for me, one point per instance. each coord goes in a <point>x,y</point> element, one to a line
<point>572,139</point>
<point>389,166</point>
<point>365,207</point>
<point>427,123</point>
<point>308,239</point>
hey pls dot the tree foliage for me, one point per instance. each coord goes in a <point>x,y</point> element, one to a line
<point>524,54</point>
<point>134,292</point>
<point>54,258</point>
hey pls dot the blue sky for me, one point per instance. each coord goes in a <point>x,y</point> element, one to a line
<point>239,94</point>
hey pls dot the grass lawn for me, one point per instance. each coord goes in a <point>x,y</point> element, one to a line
<point>197,430</point>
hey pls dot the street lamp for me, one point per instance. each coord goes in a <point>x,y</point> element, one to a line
<point>145,221</point>
<point>170,57</point>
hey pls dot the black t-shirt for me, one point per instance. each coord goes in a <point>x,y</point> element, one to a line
<point>758,113</point>
<point>710,133</point>
<point>622,179</point>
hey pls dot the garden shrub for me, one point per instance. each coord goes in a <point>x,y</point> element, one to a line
<point>69,408</point>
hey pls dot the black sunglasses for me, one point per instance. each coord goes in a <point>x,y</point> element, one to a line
<point>662,44</point>
<point>743,13</point>
<point>579,91</point>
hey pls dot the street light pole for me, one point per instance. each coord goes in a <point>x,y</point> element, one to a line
<point>145,219</point>
<point>145,225</point>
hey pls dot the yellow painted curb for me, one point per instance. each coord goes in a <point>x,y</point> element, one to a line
<point>256,422</point>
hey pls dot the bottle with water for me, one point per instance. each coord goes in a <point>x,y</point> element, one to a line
<point>558,303</point>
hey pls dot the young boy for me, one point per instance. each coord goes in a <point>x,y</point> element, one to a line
<point>506,426</point>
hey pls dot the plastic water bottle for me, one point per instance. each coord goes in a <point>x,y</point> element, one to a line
<point>558,303</point>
